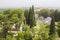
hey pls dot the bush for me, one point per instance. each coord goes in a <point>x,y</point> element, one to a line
<point>9,37</point>
<point>20,36</point>
<point>42,33</point>
<point>28,35</point>
<point>2,38</point>
<point>53,37</point>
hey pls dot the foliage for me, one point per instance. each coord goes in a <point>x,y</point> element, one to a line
<point>44,12</point>
<point>8,37</point>
<point>30,17</point>
<point>42,32</point>
<point>20,36</point>
<point>25,34</point>
<point>53,35</point>
<point>31,29</point>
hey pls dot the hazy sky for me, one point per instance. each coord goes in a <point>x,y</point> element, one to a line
<point>28,3</point>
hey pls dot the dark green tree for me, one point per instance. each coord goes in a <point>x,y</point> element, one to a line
<point>30,17</point>
<point>52,26</point>
<point>32,21</point>
<point>55,15</point>
<point>26,14</point>
<point>53,33</point>
<point>44,12</point>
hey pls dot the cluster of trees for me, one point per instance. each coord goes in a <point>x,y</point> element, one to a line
<point>49,13</point>
<point>30,16</point>
<point>18,17</point>
<point>31,28</point>
<point>10,17</point>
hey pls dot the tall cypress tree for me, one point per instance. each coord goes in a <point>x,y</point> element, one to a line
<point>53,34</point>
<point>55,15</point>
<point>33,16</point>
<point>52,26</point>
<point>32,21</point>
<point>30,17</point>
<point>26,14</point>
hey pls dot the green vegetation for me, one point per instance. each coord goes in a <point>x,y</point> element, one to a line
<point>30,17</point>
<point>19,24</point>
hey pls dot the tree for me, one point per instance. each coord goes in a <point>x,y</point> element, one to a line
<point>33,16</point>
<point>26,14</point>
<point>2,17</point>
<point>25,34</point>
<point>31,19</point>
<point>52,26</point>
<point>53,34</point>
<point>17,17</point>
<point>56,15</point>
<point>44,12</point>
<point>6,27</point>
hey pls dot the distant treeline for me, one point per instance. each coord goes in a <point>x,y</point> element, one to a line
<point>49,13</point>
